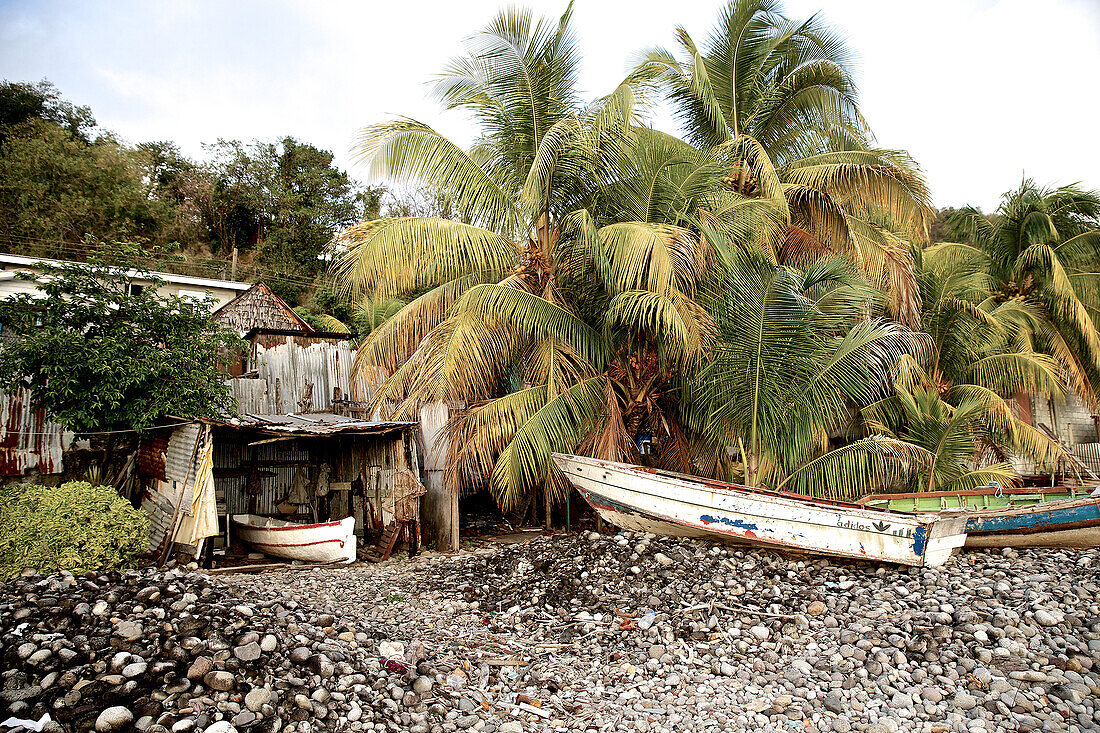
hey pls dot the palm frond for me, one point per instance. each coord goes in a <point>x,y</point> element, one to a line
<point>388,258</point>
<point>559,426</point>
<point>864,466</point>
<point>407,151</point>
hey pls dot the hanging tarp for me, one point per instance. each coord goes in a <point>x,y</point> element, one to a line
<point>181,506</point>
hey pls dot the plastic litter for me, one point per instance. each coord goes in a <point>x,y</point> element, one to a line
<point>28,724</point>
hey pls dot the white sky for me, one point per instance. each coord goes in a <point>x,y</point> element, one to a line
<point>978,91</point>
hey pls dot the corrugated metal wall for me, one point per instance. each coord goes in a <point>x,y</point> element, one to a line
<point>28,440</point>
<point>181,461</point>
<point>298,374</point>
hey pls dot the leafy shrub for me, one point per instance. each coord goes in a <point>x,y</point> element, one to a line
<point>75,526</point>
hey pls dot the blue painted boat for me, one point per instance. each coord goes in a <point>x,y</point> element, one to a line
<point>1009,518</point>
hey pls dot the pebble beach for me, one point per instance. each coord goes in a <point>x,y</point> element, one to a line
<point>571,632</point>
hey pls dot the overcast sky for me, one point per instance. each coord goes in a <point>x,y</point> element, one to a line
<point>978,91</point>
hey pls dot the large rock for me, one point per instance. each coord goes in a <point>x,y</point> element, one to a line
<point>257,697</point>
<point>248,653</point>
<point>201,667</point>
<point>113,719</point>
<point>222,726</point>
<point>220,680</point>
<point>129,630</point>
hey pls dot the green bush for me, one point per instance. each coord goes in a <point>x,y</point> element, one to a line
<point>75,526</point>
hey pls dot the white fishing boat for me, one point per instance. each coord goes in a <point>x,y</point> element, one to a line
<point>319,542</point>
<point>662,502</point>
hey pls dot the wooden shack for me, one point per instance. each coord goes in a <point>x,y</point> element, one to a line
<point>310,467</point>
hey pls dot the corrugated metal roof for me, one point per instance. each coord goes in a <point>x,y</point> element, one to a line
<point>310,424</point>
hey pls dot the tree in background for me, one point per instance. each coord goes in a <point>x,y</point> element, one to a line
<point>283,203</point>
<point>64,182</point>
<point>955,403</point>
<point>60,182</point>
<point>99,357</point>
<point>21,101</point>
<point>796,355</point>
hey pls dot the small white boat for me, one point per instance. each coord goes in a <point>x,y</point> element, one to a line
<point>662,502</point>
<point>320,542</point>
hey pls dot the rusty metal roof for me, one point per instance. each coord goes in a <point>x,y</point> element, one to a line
<point>309,424</point>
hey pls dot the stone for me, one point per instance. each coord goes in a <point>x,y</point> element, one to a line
<point>134,669</point>
<point>200,668</point>
<point>219,680</point>
<point>932,695</point>
<point>129,630</point>
<point>816,608</point>
<point>113,719</point>
<point>243,718</point>
<point>422,685</point>
<point>220,726</point>
<point>391,650</point>
<point>1048,618</point>
<point>257,697</point>
<point>321,665</point>
<point>964,701</point>
<point>761,632</point>
<point>248,653</point>
<point>833,704</point>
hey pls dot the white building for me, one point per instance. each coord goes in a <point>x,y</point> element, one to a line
<point>184,286</point>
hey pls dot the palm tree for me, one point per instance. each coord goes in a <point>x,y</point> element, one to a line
<point>774,99</point>
<point>558,305</point>
<point>955,404</point>
<point>1042,246</point>
<point>796,354</point>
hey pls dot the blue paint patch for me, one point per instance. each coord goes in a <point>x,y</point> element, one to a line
<point>920,540</point>
<point>1049,520</point>
<point>739,523</point>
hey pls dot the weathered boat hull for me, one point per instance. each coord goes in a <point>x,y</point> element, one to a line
<point>321,542</point>
<point>642,499</point>
<point>1019,523</point>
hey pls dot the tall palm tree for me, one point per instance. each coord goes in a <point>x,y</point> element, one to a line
<point>956,403</point>
<point>774,98</point>
<point>559,304</point>
<point>1043,250</point>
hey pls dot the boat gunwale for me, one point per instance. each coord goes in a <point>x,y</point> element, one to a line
<point>1043,506</point>
<point>984,491</point>
<point>314,525</point>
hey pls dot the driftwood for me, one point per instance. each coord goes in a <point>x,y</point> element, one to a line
<point>264,567</point>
